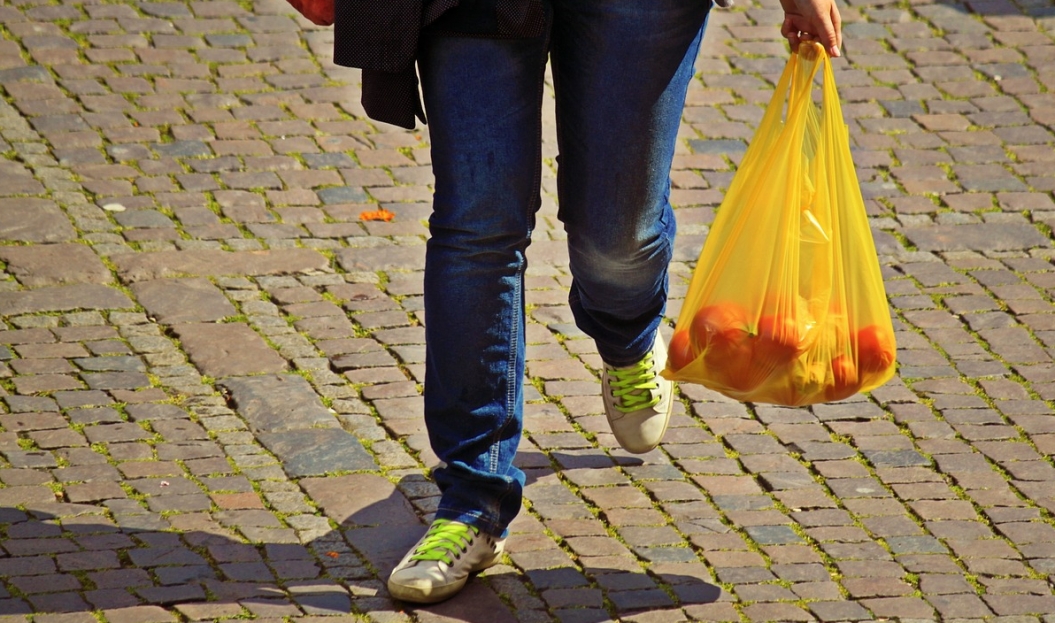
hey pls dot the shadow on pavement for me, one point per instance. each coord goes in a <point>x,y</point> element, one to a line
<point>68,558</point>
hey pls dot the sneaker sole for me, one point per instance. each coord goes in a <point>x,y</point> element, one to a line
<point>419,596</point>
<point>437,593</point>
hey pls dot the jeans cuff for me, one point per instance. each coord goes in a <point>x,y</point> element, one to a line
<point>473,518</point>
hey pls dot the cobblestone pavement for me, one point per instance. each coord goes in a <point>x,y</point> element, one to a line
<point>211,366</point>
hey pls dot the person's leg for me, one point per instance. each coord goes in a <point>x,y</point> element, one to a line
<point>483,98</point>
<point>621,71</point>
<point>483,101</point>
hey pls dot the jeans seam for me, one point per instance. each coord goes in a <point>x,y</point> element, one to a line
<point>511,371</point>
<point>518,318</point>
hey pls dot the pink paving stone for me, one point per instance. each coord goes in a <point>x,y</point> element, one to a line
<point>943,122</point>
<point>63,298</point>
<point>64,617</point>
<point>876,587</point>
<point>45,383</point>
<point>229,501</point>
<point>718,612</point>
<point>33,220</point>
<point>53,264</point>
<point>183,300</point>
<point>231,349</point>
<point>734,559</point>
<point>28,495</point>
<point>1021,604</point>
<point>361,499</point>
<point>139,614</point>
<point>728,485</point>
<point>776,612</point>
<point>152,394</point>
<point>210,610</point>
<point>26,336</point>
<point>899,607</point>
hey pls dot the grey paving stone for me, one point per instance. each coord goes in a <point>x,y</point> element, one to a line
<point>150,412</point>
<point>839,611</point>
<point>116,380</point>
<point>385,257</point>
<point>895,458</point>
<point>208,263</point>
<point>111,364</point>
<point>177,301</point>
<point>915,545</point>
<point>30,458</point>
<point>773,535</point>
<point>343,194</point>
<point>272,403</point>
<point>718,147</point>
<point>182,148</point>
<point>171,594</point>
<point>317,451</point>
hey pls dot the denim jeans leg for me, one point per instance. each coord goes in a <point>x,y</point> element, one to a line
<point>621,71</point>
<point>483,101</point>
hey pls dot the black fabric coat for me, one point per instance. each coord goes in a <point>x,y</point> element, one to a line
<point>381,38</point>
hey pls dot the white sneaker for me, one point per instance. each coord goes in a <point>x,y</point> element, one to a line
<point>439,565</point>
<point>638,401</point>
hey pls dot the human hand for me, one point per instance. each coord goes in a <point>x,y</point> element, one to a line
<point>808,20</point>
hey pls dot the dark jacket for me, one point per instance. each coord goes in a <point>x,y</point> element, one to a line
<point>381,37</point>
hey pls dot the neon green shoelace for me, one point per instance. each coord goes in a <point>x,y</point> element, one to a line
<point>444,541</point>
<point>633,387</point>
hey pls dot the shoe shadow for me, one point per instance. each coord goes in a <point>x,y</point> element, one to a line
<point>583,592</point>
<point>203,563</point>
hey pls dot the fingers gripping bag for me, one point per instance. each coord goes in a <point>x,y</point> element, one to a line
<point>786,304</point>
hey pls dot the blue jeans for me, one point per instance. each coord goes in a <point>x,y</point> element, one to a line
<point>620,71</point>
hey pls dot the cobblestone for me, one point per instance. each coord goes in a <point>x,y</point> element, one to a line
<point>210,367</point>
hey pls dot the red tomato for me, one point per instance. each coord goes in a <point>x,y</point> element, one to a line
<point>778,339</point>
<point>730,362</point>
<point>875,349</point>
<point>680,353</point>
<point>723,323</point>
<point>721,333</point>
<point>844,379</point>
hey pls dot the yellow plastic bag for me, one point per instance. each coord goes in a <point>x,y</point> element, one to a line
<point>786,304</point>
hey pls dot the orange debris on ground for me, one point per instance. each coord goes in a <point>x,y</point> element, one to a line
<point>380,214</point>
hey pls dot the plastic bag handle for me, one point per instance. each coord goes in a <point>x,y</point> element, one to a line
<point>772,131</point>
<point>785,89</point>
